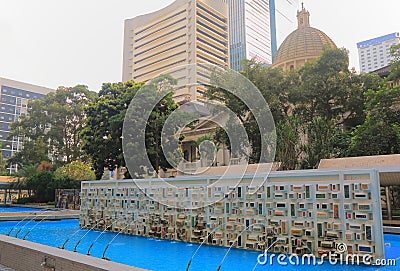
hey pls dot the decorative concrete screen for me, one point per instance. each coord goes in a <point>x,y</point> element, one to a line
<point>296,212</point>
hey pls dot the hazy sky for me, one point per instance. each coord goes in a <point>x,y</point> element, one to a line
<point>68,42</point>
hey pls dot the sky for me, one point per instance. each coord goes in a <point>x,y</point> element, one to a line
<point>55,43</point>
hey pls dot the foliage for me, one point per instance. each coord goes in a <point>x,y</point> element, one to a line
<point>44,183</point>
<point>50,130</point>
<point>102,134</point>
<point>248,145</point>
<point>40,183</point>
<point>33,153</point>
<point>321,110</point>
<point>288,142</point>
<point>381,128</point>
<point>395,64</point>
<point>320,142</point>
<point>156,95</point>
<point>2,165</point>
<point>44,166</point>
<point>76,171</point>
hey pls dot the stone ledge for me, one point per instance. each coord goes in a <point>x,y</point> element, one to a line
<point>23,255</point>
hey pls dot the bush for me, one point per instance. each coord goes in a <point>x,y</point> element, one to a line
<point>26,200</point>
<point>45,183</point>
<point>77,171</point>
<point>41,184</point>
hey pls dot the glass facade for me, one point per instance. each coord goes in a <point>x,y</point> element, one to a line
<point>13,103</point>
<point>249,29</point>
<point>258,32</point>
<point>257,27</point>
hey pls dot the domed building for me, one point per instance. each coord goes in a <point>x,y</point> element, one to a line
<point>304,44</point>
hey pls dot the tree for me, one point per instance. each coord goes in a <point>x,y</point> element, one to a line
<point>41,183</point>
<point>21,176</point>
<point>232,90</point>
<point>205,149</point>
<point>50,130</point>
<point>288,142</point>
<point>147,115</point>
<point>76,171</point>
<point>65,108</point>
<point>44,166</point>
<point>323,89</point>
<point>33,152</point>
<point>381,128</point>
<point>315,108</point>
<point>102,133</point>
<point>320,136</point>
<point>395,64</point>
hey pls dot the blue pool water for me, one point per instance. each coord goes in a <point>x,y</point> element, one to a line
<point>165,255</point>
<point>12,209</point>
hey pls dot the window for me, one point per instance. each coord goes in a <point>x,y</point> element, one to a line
<point>346,191</point>
<point>368,233</point>
<point>292,210</point>
<point>319,229</point>
<point>239,193</point>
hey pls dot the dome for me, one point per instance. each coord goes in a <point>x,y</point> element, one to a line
<point>304,44</point>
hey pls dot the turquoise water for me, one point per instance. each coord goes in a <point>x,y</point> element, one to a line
<point>13,209</point>
<point>160,255</point>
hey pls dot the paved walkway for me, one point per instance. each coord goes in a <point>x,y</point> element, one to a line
<point>3,268</point>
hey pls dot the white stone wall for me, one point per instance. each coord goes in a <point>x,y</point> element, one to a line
<point>306,211</point>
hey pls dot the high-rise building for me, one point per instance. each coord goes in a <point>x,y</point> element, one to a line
<point>14,99</point>
<point>256,28</point>
<point>375,53</point>
<point>165,41</point>
<point>249,31</point>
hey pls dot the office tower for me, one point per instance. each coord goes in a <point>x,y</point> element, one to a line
<point>249,31</point>
<point>13,103</point>
<point>185,32</point>
<point>375,53</point>
<point>256,28</point>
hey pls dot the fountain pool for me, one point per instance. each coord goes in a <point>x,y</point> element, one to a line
<point>164,255</point>
<point>15,209</point>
